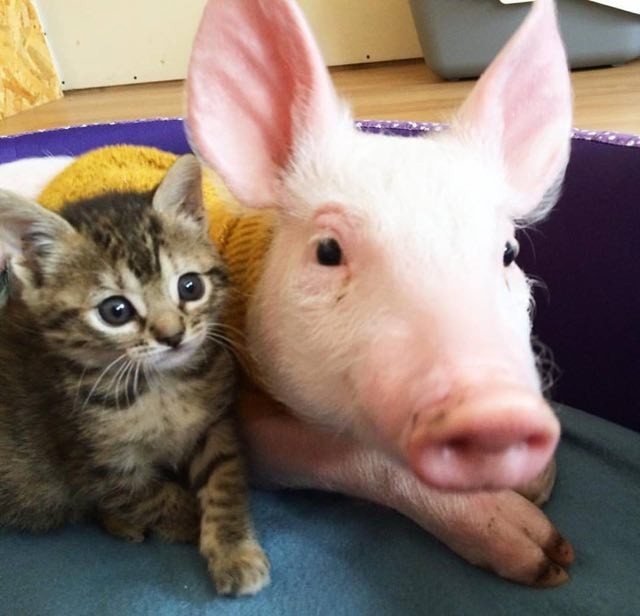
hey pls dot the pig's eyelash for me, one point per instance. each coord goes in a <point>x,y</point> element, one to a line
<point>318,237</point>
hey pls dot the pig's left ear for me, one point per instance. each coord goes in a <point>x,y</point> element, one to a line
<point>520,110</point>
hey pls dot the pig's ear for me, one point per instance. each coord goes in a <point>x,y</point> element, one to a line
<point>521,110</point>
<point>257,86</point>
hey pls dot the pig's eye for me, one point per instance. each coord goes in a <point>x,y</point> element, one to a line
<point>329,252</point>
<point>511,250</point>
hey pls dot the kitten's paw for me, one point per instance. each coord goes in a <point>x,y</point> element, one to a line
<point>241,570</point>
<point>114,525</point>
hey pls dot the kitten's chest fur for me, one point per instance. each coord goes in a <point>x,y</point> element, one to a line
<point>159,429</point>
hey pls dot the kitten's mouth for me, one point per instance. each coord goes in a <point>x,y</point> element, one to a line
<point>178,357</point>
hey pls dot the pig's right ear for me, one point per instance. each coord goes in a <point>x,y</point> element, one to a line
<point>257,86</point>
<point>520,111</point>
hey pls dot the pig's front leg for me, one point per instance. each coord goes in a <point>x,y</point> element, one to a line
<point>502,531</point>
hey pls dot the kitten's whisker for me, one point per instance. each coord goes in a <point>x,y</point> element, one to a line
<point>127,376</point>
<point>125,383</point>
<point>136,376</point>
<point>226,334</point>
<point>227,346</point>
<point>236,338</point>
<point>221,338</point>
<point>230,328</point>
<point>152,374</point>
<point>212,334</point>
<point>148,377</point>
<point>76,398</point>
<point>113,382</point>
<point>102,375</point>
<point>121,372</point>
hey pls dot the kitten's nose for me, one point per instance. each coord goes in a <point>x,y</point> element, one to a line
<point>168,329</point>
<point>172,340</point>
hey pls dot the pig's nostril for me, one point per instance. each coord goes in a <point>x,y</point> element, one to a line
<point>538,440</point>
<point>459,444</point>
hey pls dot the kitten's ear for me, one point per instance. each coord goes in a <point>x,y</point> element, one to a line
<point>180,192</point>
<point>29,230</point>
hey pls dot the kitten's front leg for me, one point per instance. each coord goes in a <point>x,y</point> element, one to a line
<point>218,474</point>
<point>165,507</point>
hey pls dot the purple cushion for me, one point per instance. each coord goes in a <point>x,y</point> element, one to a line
<point>166,134</point>
<point>587,253</point>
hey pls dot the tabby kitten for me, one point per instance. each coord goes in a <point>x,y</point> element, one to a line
<point>112,376</point>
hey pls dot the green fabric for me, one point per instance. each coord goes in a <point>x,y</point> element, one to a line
<point>332,555</point>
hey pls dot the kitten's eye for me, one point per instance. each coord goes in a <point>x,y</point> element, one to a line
<point>329,252</point>
<point>190,287</point>
<point>511,250</point>
<point>116,311</point>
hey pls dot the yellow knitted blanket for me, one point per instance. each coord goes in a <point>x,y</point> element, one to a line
<point>241,237</point>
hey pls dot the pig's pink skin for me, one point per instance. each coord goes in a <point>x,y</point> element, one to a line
<point>501,531</point>
<point>421,307</point>
<point>420,316</point>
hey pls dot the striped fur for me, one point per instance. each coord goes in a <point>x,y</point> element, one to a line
<point>104,421</point>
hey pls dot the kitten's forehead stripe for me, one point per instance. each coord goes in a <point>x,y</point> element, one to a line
<point>126,229</point>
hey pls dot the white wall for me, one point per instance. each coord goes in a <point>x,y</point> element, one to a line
<point>107,42</point>
<point>354,31</point>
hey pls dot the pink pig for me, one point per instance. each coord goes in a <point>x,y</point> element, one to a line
<point>391,319</point>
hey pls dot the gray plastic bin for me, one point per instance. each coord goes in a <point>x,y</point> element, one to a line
<point>459,38</point>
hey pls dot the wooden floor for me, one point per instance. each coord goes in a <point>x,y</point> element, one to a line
<point>606,98</point>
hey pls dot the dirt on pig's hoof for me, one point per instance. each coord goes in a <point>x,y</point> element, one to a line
<point>559,553</point>
<point>559,550</point>
<point>551,575</point>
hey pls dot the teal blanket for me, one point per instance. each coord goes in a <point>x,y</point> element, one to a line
<point>332,555</point>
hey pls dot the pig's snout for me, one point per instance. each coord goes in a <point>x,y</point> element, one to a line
<point>500,438</point>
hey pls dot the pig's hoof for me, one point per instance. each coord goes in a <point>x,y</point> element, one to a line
<point>544,553</point>
<point>550,575</point>
<point>242,570</point>
<point>506,533</point>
